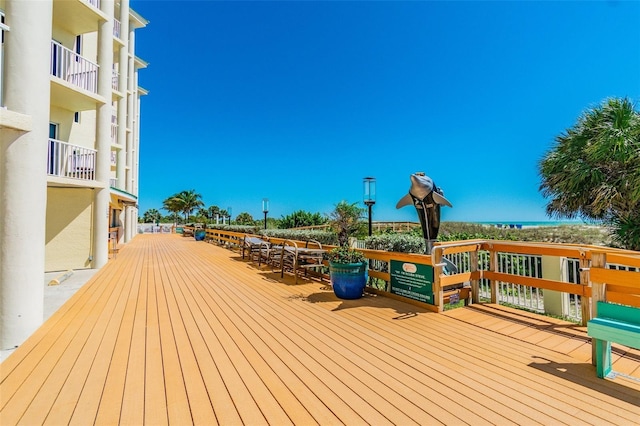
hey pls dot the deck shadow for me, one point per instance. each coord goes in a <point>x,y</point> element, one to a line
<point>584,374</point>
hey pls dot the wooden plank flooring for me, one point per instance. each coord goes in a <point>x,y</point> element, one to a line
<point>183,332</point>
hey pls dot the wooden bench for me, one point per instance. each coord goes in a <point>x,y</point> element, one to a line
<point>614,323</point>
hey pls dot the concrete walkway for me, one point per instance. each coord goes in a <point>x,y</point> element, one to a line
<point>56,295</point>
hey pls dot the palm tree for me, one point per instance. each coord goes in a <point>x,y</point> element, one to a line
<point>245,218</point>
<point>223,213</point>
<point>593,171</point>
<point>173,206</point>
<point>151,216</point>
<point>212,211</point>
<point>185,202</point>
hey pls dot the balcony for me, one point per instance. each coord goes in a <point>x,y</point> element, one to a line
<point>74,80</point>
<point>78,16</point>
<point>70,161</point>
<point>73,68</point>
<point>113,182</point>
<point>114,130</point>
<point>114,159</point>
<point>115,78</point>
<point>116,28</point>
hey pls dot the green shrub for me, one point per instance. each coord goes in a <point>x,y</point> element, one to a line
<point>323,237</point>
<point>345,255</point>
<point>401,243</point>
<point>247,229</point>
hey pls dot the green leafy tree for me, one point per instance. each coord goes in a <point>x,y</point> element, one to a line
<point>345,219</point>
<point>212,211</point>
<point>151,216</point>
<point>301,218</point>
<point>173,206</point>
<point>224,214</point>
<point>172,217</point>
<point>185,202</point>
<point>593,171</point>
<point>244,218</point>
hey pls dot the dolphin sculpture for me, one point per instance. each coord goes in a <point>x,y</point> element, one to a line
<point>427,198</point>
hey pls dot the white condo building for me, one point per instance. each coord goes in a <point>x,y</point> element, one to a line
<point>69,145</point>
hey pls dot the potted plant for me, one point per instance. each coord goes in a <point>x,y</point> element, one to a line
<point>347,266</point>
<point>200,233</point>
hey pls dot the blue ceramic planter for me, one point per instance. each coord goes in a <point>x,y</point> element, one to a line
<point>348,279</point>
<point>199,235</point>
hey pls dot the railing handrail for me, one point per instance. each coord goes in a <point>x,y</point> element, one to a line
<point>73,145</point>
<point>74,53</point>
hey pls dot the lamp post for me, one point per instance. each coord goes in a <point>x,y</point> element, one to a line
<point>369,196</point>
<point>229,210</point>
<point>265,210</point>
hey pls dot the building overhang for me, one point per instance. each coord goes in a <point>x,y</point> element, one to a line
<point>120,197</point>
<point>140,63</point>
<point>72,98</point>
<point>63,182</point>
<point>77,16</point>
<point>136,20</point>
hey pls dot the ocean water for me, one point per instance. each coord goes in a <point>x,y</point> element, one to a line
<point>530,224</point>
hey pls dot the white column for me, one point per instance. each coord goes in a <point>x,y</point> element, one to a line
<point>123,66</point>
<point>103,138</point>
<point>127,224</point>
<point>130,108</point>
<point>135,149</point>
<point>23,178</point>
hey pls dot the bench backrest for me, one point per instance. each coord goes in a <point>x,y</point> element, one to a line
<point>619,312</point>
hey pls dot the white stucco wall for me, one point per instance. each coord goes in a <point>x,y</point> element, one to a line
<point>68,232</point>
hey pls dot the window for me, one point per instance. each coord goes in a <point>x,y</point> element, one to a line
<point>53,130</point>
<point>78,45</point>
<point>76,117</point>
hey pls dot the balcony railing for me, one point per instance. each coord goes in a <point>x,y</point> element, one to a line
<point>71,161</point>
<point>73,68</point>
<point>114,158</point>
<point>116,28</point>
<point>113,182</point>
<point>114,133</point>
<point>94,3</point>
<point>115,78</point>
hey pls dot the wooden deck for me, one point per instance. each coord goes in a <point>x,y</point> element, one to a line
<point>178,331</point>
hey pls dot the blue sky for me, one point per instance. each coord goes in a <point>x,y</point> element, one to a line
<point>299,101</point>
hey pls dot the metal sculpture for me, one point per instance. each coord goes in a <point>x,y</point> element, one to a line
<point>427,198</point>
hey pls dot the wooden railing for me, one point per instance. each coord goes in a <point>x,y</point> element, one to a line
<point>597,280</point>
